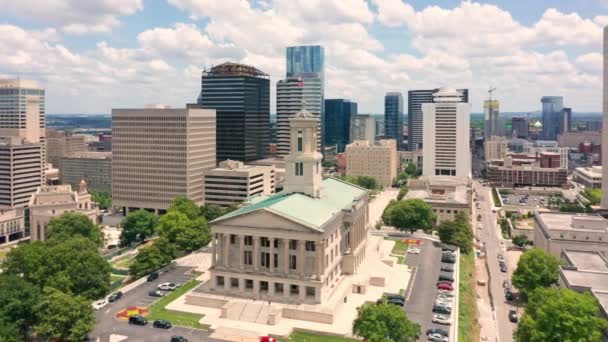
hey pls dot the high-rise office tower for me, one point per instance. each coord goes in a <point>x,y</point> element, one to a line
<point>338,115</point>
<point>293,95</point>
<point>414,113</point>
<point>605,129</point>
<point>492,125</point>
<point>565,120</point>
<point>520,128</point>
<point>240,94</point>
<point>363,127</point>
<point>552,112</point>
<point>393,117</point>
<point>21,170</point>
<point>446,150</point>
<point>160,153</point>
<point>305,61</point>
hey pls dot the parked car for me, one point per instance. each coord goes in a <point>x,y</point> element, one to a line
<point>99,304</point>
<point>443,303</point>
<point>503,268</point>
<point>448,259</point>
<point>167,287</point>
<point>513,316</point>
<point>501,258</point>
<point>437,338</point>
<point>447,278</point>
<point>395,301</point>
<point>137,320</point>
<point>413,250</point>
<point>156,293</point>
<point>509,295</point>
<point>442,319</point>
<point>162,324</point>
<point>267,339</point>
<point>152,276</point>
<point>505,284</point>
<point>445,293</point>
<point>115,296</point>
<point>446,248</point>
<point>395,296</point>
<point>178,338</point>
<point>447,269</point>
<point>442,309</point>
<point>438,331</point>
<point>445,286</point>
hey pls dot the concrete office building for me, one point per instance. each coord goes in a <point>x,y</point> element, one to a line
<point>60,144</point>
<point>12,226</point>
<point>159,154</point>
<point>493,125</point>
<point>21,170</point>
<point>362,127</point>
<point>555,232</point>
<point>552,107</point>
<point>445,194</point>
<point>542,169</point>
<point>406,157</point>
<point>293,94</point>
<point>605,130</point>
<point>416,98</point>
<point>537,147</point>
<point>233,182</point>
<point>590,177</point>
<point>495,148</point>
<point>520,127</point>
<point>338,115</point>
<point>393,117</point>
<point>94,167</point>
<point>52,201</point>
<point>574,139</point>
<point>565,124</point>
<point>240,95</point>
<point>377,160</point>
<point>446,150</point>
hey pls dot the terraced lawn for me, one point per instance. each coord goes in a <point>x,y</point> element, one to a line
<point>309,337</point>
<point>468,328</point>
<point>183,319</point>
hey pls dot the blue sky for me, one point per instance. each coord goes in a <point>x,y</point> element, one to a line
<point>92,56</point>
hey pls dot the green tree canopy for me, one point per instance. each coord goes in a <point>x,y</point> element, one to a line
<point>211,211</point>
<point>412,170</point>
<point>457,232</point>
<point>367,182</point>
<point>149,258</point>
<point>559,314</point>
<point>536,268</point>
<point>185,206</point>
<point>64,317</point>
<point>402,192</point>
<point>137,226</point>
<point>70,225</point>
<point>411,215</point>
<point>385,323</point>
<point>9,332</point>
<point>188,235</point>
<point>593,195</point>
<point>28,262</point>
<point>18,300</point>
<point>103,199</point>
<point>520,240</point>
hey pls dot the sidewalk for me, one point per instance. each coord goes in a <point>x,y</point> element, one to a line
<point>487,318</point>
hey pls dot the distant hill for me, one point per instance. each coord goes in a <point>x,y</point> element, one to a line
<point>73,121</point>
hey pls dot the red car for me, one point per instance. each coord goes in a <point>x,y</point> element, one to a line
<point>267,339</point>
<point>445,286</point>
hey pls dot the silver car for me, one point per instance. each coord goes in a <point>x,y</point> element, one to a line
<point>442,319</point>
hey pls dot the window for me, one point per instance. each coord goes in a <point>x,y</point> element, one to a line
<point>276,260</point>
<point>278,288</point>
<point>232,239</point>
<point>248,240</point>
<point>265,242</point>
<point>294,289</point>
<point>248,284</point>
<point>310,246</point>
<point>265,259</point>
<point>293,263</point>
<point>263,286</point>
<point>248,258</point>
<point>234,282</point>
<point>310,291</point>
<point>219,280</point>
<point>299,169</point>
<point>293,244</point>
<point>299,140</point>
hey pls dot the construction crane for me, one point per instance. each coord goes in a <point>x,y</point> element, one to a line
<point>490,92</point>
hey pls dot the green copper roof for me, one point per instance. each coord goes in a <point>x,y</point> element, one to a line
<point>313,212</point>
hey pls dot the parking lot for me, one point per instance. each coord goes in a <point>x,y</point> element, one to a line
<point>108,324</point>
<point>422,290</point>
<point>525,200</point>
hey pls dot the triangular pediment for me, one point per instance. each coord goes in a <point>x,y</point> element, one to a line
<point>265,219</point>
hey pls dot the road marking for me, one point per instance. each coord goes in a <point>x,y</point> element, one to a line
<point>411,285</point>
<point>108,311</point>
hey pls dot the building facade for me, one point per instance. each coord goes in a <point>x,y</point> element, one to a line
<point>520,127</point>
<point>240,95</point>
<point>565,120</point>
<point>446,195</point>
<point>52,201</point>
<point>305,60</point>
<point>574,139</point>
<point>525,170</point>
<point>21,170</point>
<point>552,107</point>
<point>12,226</point>
<point>446,150</point>
<point>60,144</point>
<point>274,250</point>
<point>338,116</point>
<point>362,127</point>
<point>495,148</point>
<point>590,177</point>
<point>393,117</point>
<point>377,160</point>
<point>159,154</point>
<point>94,167</point>
<point>233,182</point>
<point>555,232</point>
<point>493,125</point>
<point>605,130</point>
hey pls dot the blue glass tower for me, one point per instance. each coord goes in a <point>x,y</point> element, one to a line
<point>338,113</point>
<point>552,113</point>
<point>305,61</point>
<point>393,117</point>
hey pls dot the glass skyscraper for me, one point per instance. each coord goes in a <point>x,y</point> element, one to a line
<point>338,114</point>
<point>305,61</point>
<point>552,114</point>
<point>393,117</point>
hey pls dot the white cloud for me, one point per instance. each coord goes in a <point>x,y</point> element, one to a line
<point>556,28</point>
<point>74,16</point>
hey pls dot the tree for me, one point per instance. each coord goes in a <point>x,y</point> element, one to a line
<point>411,215</point>
<point>367,182</point>
<point>27,261</point>
<point>188,235</point>
<point>559,314</point>
<point>457,232</point>
<point>386,214</point>
<point>64,317</point>
<point>536,268</point>
<point>384,323</point>
<point>71,224</point>
<point>412,170</point>
<point>137,226</point>
<point>148,259</point>
<point>18,300</point>
<point>402,192</point>
<point>212,211</point>
<point>103,199</point>
<point>593,195</point>
<point>185,206</point>
<point>520,240</point>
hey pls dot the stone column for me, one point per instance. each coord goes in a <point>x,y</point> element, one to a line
<point>213,249</point>
<point>256,253</point>
<point>285,256</point>
<point>271,263</point>
<point>320,246</point>
<point>302,293</point>
<point>318,294</point>
<point>241,250</point>
<point>218,243</point>
<point>300,261</point>
<point>226,249</point>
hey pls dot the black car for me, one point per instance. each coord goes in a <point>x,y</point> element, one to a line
<point>513,316</point>
<point>438,331</point>
<point>138,320</point>
<point>503,268</point>
<point>156,293</point>
<point>161,323</point>
<point>448,249</point>
<point>395,296</point>
<point>395,301</point>
<point>446,278</point>
<point>447,269</point>
<point>449,260</point>
<point>442,309</point>
<point>115,296</point>
<point>178,338</point>
<point>509,294</point>
<point>152,276</point>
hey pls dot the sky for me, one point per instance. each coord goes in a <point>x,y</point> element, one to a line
<point>95,55</point>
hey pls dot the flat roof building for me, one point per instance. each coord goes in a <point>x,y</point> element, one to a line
<point>555,232</point>
<point>377,160</point>
<point>233,182</point>
<point>363,127</point>
<point>446,195</point>
<point>12,226</point>
<point>60,144</point>
<point>94,167</point>
<point>21,170</point>
<point>590,177</point>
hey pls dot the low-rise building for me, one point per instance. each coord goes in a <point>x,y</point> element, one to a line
<point>94,167</point>
<point>234,182</point>
<point>61,143</point>
<point>363,127</point>
<point>12,226</point>
<point>590,177</point>
<point>406,157</point>
<point>52,201</point>
<point>446,195</point>
<point>541,169</point>
<point>377,160</point>
<point>574,139</point>
<point>555,232</point>
<point>495,148</point>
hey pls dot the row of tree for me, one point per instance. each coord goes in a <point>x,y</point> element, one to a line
<point>367,182</point>
<point>47,287</point>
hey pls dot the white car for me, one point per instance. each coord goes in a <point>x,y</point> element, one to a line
<point>445,293</point>
<point>414,251</point>
<point>443,303</point>
<point>437,338</point>
<point>168,286</point>
<point>442,319</point>
<point>445,299</point>
<point>99,304</point>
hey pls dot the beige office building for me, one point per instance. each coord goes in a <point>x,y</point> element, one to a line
<point>446,195</point>
<point>54,200</point>
<point>495,148</point>
<point>60,144</point>
<point>605,130</point>
<point>233,182</point>
<point>574,139</point>
<point>12,226</point>
<point>378,160</point>
<point>94,167</point>
<point>159,153</point>
<point>21,170</point>
<point>363,127</point>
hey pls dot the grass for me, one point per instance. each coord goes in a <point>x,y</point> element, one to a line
<point>496,198</point>
<point>310,337</point>
<point>400,248</point>
<point>123,262</point>
<point>468,328</point>
<point>3,253</point>
<point>115,277</point>
<point>183,319</point>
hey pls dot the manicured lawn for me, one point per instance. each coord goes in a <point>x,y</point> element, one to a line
<point>308,337</point>
<point>468,328</point>
<point>495,198</point>
<point>184,319</point>
<point>3,253</point>
<point>399,248</point>
<point>123,262</point>
<point>114,277</point>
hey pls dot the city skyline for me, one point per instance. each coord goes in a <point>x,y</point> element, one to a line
<point>103,55</point>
